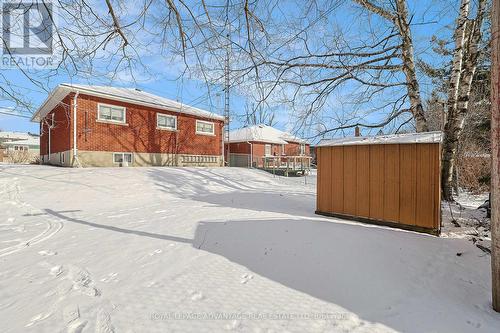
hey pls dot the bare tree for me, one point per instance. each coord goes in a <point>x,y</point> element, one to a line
<point>259,115</point>
<point>468,34</point>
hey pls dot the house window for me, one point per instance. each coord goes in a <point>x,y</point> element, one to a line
<point>302,149</point>
<point>165,121</point>
<point>111,113</point>
<point>25,148</point>
<point>205,127</point>
<point>122,157</point>
<point>283,149</point>
<point>268,150</point>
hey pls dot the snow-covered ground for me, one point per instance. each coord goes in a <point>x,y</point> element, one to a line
<point>464,220</point>
<point>210,250</point>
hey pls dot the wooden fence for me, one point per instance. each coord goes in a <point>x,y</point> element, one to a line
<point>391,184</point>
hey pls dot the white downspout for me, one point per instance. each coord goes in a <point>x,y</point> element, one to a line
<point>50,127</point>
<point>251,154</point>
<point>223,146</point>
<point>75,149</point>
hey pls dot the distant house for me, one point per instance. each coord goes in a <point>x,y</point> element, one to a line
<point>107,126</point>
<point>256,142</point>
<point>18,141</point>
<point>31,145</point>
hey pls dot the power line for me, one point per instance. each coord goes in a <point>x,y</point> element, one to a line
<point>15,115</point>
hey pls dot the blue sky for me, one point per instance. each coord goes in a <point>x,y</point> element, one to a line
<point>431,17</point>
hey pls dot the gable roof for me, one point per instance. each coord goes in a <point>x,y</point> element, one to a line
<point>129,95</point>
<point>263,133</point>
<point>425,137</point>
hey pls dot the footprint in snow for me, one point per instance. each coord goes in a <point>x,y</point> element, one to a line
<point>157,251</point>
<point>111,277</point>
<point>37,318</point>
<point>245,278</point>
<point>71,316</point>
<point>47,253</point>
<point>232,325</point>
<point>103,322</point>
<point>56,270</point>
<point>117,216</point>
<point>196,295</point>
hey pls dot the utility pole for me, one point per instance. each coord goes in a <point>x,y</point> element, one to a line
<point>226,100</point>
<point>495,154</point>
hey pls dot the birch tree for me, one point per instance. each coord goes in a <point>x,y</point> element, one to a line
<point>468,34</point>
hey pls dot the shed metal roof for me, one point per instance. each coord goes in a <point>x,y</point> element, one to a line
<point>425,137</point>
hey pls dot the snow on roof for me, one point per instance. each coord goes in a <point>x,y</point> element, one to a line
<point>31,141</point>
<point>426,137</point>
<point>129,95</point>
<point>263,133</point>
<point>15,135</point>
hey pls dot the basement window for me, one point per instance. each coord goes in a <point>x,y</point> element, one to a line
<point>165,121</point>
<point>111,113</point>
<point>122,157</point>
<point>205,127</point>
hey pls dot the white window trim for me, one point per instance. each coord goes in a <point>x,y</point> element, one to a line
<point>123,153</point>
<point>270,149</point>
<point>205,122</point>
<point>108,120</point>
<point>158,114</point>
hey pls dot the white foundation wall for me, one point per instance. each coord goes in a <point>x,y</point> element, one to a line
<point>105,159</point>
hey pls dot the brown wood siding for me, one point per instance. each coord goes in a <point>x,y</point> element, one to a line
<point>377,158</point>
<point>396,183</point>
<point>391,183</point>
<point>363,181</point>
<point>337,179</point>
<point>349,180</point>
<point>407,188</point>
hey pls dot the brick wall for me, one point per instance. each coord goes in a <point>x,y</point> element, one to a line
<point>60,133</point>
<point>291,149</point>
<point>139,134</point>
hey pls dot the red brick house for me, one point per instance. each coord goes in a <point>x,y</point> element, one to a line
<point>256,142</point>
<point>105,126</point>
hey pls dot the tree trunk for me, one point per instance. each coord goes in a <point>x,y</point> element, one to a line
<point>407,54</point>
<point>464,67</point>
<point>495,154</point>
<point>450,139</point>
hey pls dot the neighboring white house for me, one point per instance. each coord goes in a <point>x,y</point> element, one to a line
<point>32,145</point>
<point>12,142</point>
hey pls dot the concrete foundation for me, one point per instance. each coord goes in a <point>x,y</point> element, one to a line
<point>105,159</point>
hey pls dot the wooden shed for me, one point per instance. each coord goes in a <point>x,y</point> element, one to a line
<point>391,180</point>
